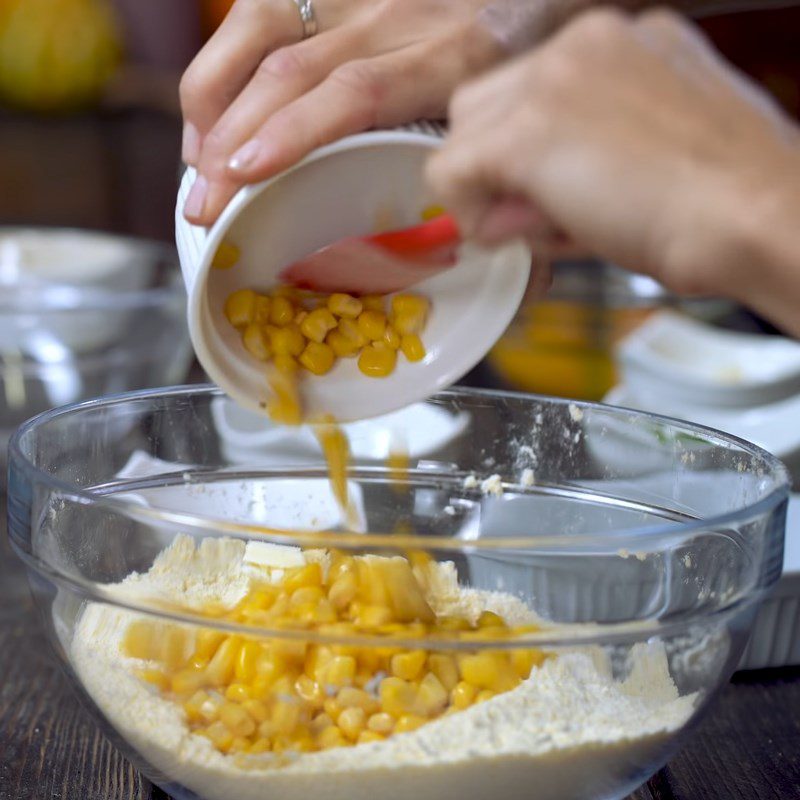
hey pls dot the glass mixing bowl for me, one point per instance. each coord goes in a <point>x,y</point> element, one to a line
<point>626,552</point>
<point>87,314</point>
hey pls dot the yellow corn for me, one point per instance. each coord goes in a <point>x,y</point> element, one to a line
<point>445,669</point>
<point>372,324</point>
<point>408,665</point>
<point>391,338</point>
<point>350,697</point>
<point>381,722</point>
<point>365,737</point>
<point>284,405</point>
<point>412,347</point>
<point>227,256</point>
<point>287,341</point>
<point>157,678</point>
<point>330,738</point>
<point>240,308</point>
<point>431,212</point>
<point>317,358</point>
<point>431,696</point>
<point>409,722</point>
<point>255,342</point>
<point>262,309</point>
<point>281,311</point>
<point>344,305</point>
<point>377,362</point>
<point>221,668</point>
<point>462,695</point>
<point>350,330</point>
<point>351,722</point>
<point>372,302</point>
<point>237,720</point>
<point>397,696</point>
<point>317,323</point>
<point>411,304</point>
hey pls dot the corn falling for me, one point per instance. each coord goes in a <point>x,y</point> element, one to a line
<point>258,695</point>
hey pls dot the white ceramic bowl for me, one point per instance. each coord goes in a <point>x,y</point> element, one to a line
<point>344,189</point>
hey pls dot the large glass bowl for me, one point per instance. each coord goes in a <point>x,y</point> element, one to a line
<point>640,545</point>
<point>75,331</point>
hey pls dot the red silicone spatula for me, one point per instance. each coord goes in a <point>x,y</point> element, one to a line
<point>381,263</point>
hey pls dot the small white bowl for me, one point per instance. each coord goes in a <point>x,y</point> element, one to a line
<point>348,188</point>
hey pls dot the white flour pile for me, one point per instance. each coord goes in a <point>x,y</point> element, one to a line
<point>569,731</point>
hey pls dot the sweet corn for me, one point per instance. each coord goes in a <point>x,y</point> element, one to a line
<point>345,305</point>
<point>351,722</point>
<point>240,308</point>
<point>262,310</point>
<point>431,212</point>
<point>227,256</point>
<point>317,323</point>
<point>377,362</point>
<point>408,666</point>
<point>255,342</point>
<point>412,347</point>
<point>391,338</point>
<point>317,358</point>
<point>287,341</point>
<point>372,302</point>
<point>342,346</point>
<point>409,722</point>
<point>410,304</point>
<point>372,324</point>
<point>281,311</point>
<point>350,330</point>
<point>280,694</point>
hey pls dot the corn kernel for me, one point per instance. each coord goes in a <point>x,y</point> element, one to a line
<point>309,691</point>
<point>397,696</point>
<point>408,666</point>
<point>317,324</point>
<point>523,661</point>
<point>350,330</point>
<point>207,641</point>
<point>372,324</point>
<point>342,346</point>
<point>237,720</point>
<point>284,404</point>
<point>317,358</point>
<point>431,212</point>
<point>156,678</point>
<point>287,341</point>
<point>246,660</point>
<point>221,668</point>
<point>262,310</point>
<point>488,619</point>
<point>463,695</point>
<point>409,722</point>
<point>412,347</point>
<point>227,256</point>
<point>240,744</point>
<point>305,595</point>
<point>410,304</point>
<point>340,671</point>
<point>343,591</point>
<point>345,305</point>
<point>240,308</point>
<point>285,716</point>
<point>187,680</point>
<point>281,311</point>
<point>484,695</point>
<point>255,342</point>
<point>238,693</point>
<point>256,709</point>
<point>377,362</point>
<point>365,737</point>
<point>220,735</point>
<point>351,722</point>
<point>372,302</point>
<point>350,697</point>
<point>381,722</point>
<point>445,669</point>
<point>194,705</point>
<point>297,577</point>
<point>431,696</point>
<point>319,723</point>
<point>330,738</point>
<point>259,746</point>
<point>332,708</point>
<point>391,338</point>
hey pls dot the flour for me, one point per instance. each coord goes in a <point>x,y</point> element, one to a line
<point>568,727</point>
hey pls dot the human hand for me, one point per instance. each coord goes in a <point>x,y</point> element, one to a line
<point>630,136</point>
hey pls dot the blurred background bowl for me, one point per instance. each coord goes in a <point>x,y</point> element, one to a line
<point>84,314</point>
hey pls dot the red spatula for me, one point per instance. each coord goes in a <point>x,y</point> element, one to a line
<point>381,263</point>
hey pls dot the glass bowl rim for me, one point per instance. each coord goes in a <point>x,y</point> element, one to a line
<point>67,298</point>
<point>208,525</point>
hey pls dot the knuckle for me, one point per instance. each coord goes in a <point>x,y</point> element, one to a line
<point>601,26</point>
<point>192,87</point>
<point>284,63</point>
<point>362,78</point>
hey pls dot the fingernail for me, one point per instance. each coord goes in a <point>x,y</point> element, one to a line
<point>196,200</point>
<point>190,149</point>
<point>243,158</point>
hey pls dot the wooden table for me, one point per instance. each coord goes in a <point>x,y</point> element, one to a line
<point>747,749</point>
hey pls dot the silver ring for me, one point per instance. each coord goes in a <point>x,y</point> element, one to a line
<point>309,19</point>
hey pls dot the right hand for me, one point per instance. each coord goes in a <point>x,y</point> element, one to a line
<point>631,136</point>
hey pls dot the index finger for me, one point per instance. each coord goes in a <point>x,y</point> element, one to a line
<point>225,64</point>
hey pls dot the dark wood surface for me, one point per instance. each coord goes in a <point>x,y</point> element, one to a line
<point>747,749</point>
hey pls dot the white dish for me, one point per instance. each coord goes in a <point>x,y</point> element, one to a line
<point>344,189</point>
